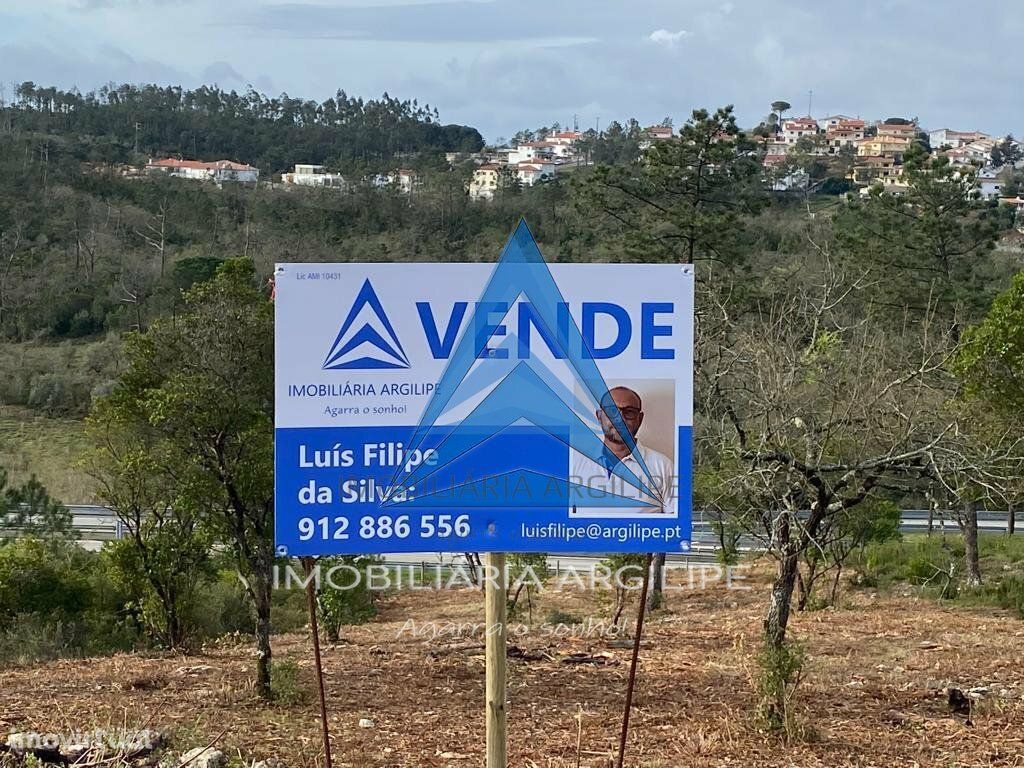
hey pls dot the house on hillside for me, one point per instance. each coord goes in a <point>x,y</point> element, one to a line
<point>1017,203</point>
<point>795,129</point>
<point>534,172</point>
<point>979,151</point>
<point>876,168</point>
<point>943,137</point>
<point>566,140</point>
<point>217,171</point>
<point>655,133</point>
<point>896,130</point>
<point>534,150</point>
<point>403,179</point>
<point>484,183</point>
<point>958,156</point>
<point>565,137</point>
<point>887,146</point>
<point>845,133</point>
<point>314,176</point>
<point>989,184</point>
<point>831,121</point>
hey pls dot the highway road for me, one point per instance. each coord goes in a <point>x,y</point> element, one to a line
<point>96,524</point>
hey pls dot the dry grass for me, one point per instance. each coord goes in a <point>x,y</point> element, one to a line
<point>872,695</point>
<point>50,448</point>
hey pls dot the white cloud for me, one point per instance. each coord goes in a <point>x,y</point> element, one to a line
<point>666,38</point>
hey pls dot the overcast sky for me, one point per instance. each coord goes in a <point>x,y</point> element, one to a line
<point>502,65</point>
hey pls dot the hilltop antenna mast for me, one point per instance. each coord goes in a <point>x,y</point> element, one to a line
<point>810,95</point>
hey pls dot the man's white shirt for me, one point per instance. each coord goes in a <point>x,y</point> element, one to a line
<point>585,471</point>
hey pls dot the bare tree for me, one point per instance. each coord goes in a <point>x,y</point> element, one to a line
<point>155,233</point>
<point>815,405</point>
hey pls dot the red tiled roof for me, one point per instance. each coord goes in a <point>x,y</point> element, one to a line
<point>896,127</point>
<point>216,165</point>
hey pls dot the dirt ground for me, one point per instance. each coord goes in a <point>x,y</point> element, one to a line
<point>872,695</point>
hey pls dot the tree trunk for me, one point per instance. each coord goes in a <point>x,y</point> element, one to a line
<point>781,601</point>
<point>1011,520</point>
<point>834,594</point>
<point>801,591</point>
<point>261,595</point>
<point>971,544</point>
<point>656,595</point>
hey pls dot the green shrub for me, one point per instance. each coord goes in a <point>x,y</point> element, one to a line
<point>30,637</point>
<point>49,580</point>
<point>935,563</point>
<point>58,394</point>
<point>56,599</point>
<point>557,616</point>
<point>918,560</point>
<point>351,602</point>
<point>286,683</point>
<point>1007,592</point>
<point>221,607</point>
<point>289,610</point>
<point>163,581</point>
<point>526,570</point>
<point>781,671</point>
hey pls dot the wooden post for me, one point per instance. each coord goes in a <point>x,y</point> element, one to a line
<point>309,563</point>
<point>495,647</point>
<point>633,662</point>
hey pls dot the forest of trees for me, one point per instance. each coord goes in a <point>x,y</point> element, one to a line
<point>118,124</point>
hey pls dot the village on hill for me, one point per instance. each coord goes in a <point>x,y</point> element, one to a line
<point>834,153</point>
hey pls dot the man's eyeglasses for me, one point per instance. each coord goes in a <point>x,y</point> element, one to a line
<point>628,414</point>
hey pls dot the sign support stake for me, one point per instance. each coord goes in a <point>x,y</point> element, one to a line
<point>495,648</point>
<point>308,562</point>
<point>632,663</point>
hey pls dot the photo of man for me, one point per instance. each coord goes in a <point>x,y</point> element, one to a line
<point>602,476</point>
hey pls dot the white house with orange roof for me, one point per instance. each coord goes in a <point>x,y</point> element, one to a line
<point>795,129</point>
<point>217,171</point>
<point>655,133</point>
<point>535,171</point>
<point>845,133</point>
<point>564,138</point>
<point>533,150</point>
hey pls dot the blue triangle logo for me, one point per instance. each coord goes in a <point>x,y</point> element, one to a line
<point>528,391</point>
<point>369,344</point>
